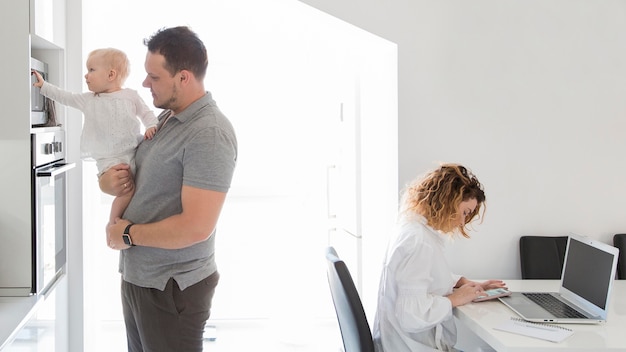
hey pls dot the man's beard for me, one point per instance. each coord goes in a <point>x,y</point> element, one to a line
<point>171,102</point>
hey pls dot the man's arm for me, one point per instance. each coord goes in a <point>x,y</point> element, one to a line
<point>201,210</point>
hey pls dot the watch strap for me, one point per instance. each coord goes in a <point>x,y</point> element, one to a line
<point>126,236</point>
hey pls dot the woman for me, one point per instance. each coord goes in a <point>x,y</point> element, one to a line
<point>417,289</point>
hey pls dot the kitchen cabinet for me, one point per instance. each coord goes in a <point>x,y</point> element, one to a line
<point>15,138</point>
<point>27,28</point>
<point>42,327</point>
<point>15,311</point>
<point>47,21</point>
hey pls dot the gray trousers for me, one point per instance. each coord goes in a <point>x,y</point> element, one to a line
<point>169,320</point>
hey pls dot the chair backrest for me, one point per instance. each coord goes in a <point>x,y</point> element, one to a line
<point>355,331</point>
<point>619,241</point>
<point>542,257</point>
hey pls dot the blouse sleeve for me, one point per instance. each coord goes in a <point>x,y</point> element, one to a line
<point>421,303</point>
<point>147,117</point>
<point>75,100</point>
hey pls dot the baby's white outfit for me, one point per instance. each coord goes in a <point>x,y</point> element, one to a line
<point>111,130</point>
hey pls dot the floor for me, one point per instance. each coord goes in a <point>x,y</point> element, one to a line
<point>223,336</point>
<point>250,335</point>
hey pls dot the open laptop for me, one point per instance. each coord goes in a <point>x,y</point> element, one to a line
<point>586,284</point>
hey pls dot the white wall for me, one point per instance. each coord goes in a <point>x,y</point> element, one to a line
<point>528,94</point>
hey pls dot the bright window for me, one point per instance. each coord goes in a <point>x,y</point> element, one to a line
<point>279,70</point>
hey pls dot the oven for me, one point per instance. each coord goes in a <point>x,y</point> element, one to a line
<point>49,208</point>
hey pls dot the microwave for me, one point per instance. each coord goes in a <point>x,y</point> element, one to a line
<point>39,104</point>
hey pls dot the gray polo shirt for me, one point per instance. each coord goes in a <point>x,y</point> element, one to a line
<point>197,148</point>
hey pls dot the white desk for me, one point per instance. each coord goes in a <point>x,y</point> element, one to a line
<point>481,318</point>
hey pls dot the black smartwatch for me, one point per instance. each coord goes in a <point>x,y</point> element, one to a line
<point>126,236</point>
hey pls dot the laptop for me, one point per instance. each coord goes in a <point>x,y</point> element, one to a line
<point>586,283</point>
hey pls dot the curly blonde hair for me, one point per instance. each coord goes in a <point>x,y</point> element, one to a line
<point>437,196</point>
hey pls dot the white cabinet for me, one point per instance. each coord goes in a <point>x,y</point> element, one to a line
<point>47,20</point>
<point>27,28</point>
<point>47,41</point>
<point>46,329</point>
<point>16,216</point>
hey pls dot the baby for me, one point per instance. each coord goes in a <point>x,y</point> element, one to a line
<point>111,130</point>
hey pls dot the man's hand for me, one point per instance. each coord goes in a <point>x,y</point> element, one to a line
<point>117,181</point>
<point>114,231</point>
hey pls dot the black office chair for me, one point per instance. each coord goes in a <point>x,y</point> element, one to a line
<point>355,331</point>
<point>541,257</point>
<point>619,241</point>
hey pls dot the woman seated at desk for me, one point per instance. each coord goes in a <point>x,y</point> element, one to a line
<point>417,289</point>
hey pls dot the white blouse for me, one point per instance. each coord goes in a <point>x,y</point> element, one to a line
<point>413,313</point>
<point>112,121</point>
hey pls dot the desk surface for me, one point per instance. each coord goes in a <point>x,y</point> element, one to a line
<point>481,318</point>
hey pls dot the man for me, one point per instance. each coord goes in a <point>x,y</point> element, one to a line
<point>166,239</point>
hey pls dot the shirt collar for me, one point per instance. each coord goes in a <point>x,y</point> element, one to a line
<point>206,99</point>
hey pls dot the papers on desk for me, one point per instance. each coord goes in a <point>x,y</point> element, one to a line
<point>547,332</point>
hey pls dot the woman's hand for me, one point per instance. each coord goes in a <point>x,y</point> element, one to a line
<point>466,293</point>
<point>492,284</point>
<point>117,180</point>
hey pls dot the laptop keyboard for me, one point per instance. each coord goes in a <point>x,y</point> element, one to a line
<point>553,305</point>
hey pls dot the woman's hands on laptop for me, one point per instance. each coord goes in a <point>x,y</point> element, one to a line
<point>493,284</point>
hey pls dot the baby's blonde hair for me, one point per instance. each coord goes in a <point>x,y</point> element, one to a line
<point>116,59</point>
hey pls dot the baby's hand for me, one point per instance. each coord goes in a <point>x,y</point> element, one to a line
<point>149,133</point>
<point>40,80</point>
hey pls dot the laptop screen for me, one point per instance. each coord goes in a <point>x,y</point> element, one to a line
<point>587,272</point>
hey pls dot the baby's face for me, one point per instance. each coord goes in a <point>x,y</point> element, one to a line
<point>98,76</point>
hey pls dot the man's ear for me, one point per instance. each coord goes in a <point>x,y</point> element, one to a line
<point>184,76</point>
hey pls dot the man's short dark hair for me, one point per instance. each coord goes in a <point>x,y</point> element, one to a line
<point>182,49</point>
